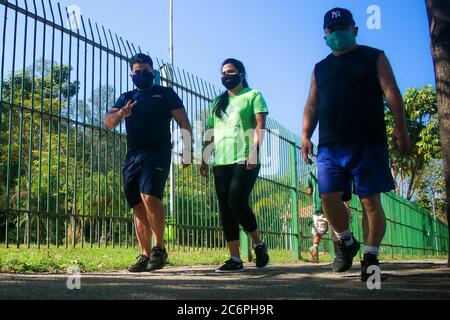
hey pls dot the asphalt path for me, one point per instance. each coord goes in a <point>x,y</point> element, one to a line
<point>405,280</point>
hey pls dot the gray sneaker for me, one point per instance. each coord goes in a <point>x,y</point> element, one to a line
<point>343,260</point>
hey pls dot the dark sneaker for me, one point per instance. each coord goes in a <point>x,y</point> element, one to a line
<point>369,260</point>
<point>314,251</point>
<point>158,259</point>
<point>231,266</point>
<point>140,265</point>
<point>343,260</point>
<point>262,255</point>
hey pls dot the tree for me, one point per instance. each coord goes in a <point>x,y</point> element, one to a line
<point>421,110</point>
<point>432,185</point>
<point>16,149</point>
<point>439,19</point>
<point>54,165</point>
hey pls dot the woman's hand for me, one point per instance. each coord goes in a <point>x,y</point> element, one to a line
<point>204,170</point>
<point>253,162</point>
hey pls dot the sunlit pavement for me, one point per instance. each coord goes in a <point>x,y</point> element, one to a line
<point>405,280</point>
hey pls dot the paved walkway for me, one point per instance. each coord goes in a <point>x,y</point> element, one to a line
<point>406,280</point>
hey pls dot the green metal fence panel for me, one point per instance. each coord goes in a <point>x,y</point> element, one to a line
<point>60,170</point>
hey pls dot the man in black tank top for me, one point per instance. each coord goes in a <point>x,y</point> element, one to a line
<point>346,99</point>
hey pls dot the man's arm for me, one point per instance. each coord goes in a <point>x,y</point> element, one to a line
<point>394,100</point>
<point>113,118</point>
<point>208,146</point>
<point>116,115</point>
<point>310,120</point>
<point>182,119</point>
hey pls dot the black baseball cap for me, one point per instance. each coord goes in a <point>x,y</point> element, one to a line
<point>338,16</point>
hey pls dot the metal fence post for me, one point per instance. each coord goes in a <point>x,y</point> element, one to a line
<point>245,246</point>
<point>158,83</point>
<point>296,247</point>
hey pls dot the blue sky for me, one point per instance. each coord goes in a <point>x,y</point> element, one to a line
<point>279,41</point>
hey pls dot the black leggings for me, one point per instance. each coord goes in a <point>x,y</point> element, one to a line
<point>234,184</point>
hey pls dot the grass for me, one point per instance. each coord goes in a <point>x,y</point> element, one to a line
<point>60,260</point>
<point>398,257</point>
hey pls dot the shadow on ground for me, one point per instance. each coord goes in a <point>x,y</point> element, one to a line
<point>414,280</point>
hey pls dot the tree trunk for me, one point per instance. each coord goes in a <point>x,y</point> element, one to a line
<point>414,177</point>
<point>409,193</point>
<point>395,175</point>
<point>401,194</point>
<point>439,18</point>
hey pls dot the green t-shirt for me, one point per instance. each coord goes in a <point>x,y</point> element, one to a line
<point>232,140</point>
<point>312,183</point>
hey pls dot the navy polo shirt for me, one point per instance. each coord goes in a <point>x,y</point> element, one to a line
<point>149,125</point>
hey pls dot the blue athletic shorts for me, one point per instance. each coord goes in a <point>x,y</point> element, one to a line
<point>361,169</point>
<point>146,172</point>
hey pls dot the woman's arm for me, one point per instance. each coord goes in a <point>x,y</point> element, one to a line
<point>260,130</point>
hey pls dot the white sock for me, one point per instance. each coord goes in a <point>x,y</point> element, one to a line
<point>345,236</point>
<point>236,259</point>
<point>372,250</point>
<point>258,244</point>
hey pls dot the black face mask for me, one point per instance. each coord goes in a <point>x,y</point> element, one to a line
<point>143,80</point>
<point>231,81</point>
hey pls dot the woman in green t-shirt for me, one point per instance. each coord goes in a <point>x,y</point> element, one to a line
<point>237,120</point>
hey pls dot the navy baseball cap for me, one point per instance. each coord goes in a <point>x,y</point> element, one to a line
<point>338,16</point>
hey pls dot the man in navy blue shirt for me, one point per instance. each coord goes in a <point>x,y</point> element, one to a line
<point>148,111</point>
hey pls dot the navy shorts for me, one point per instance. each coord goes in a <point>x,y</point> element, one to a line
<point>145,172</point>
<point>349,168</point>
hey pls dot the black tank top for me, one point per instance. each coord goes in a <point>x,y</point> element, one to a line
<point>351,103</point>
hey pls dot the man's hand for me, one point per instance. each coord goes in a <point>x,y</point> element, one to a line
<point>204,170</point>
<point>127,111</point>
<point>307,150</point>
<point>402,140</point>
<point>182,120</point>
<point>116,115</point>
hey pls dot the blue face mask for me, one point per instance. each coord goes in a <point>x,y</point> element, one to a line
<point>143,80</point>
<point>341,40</point>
